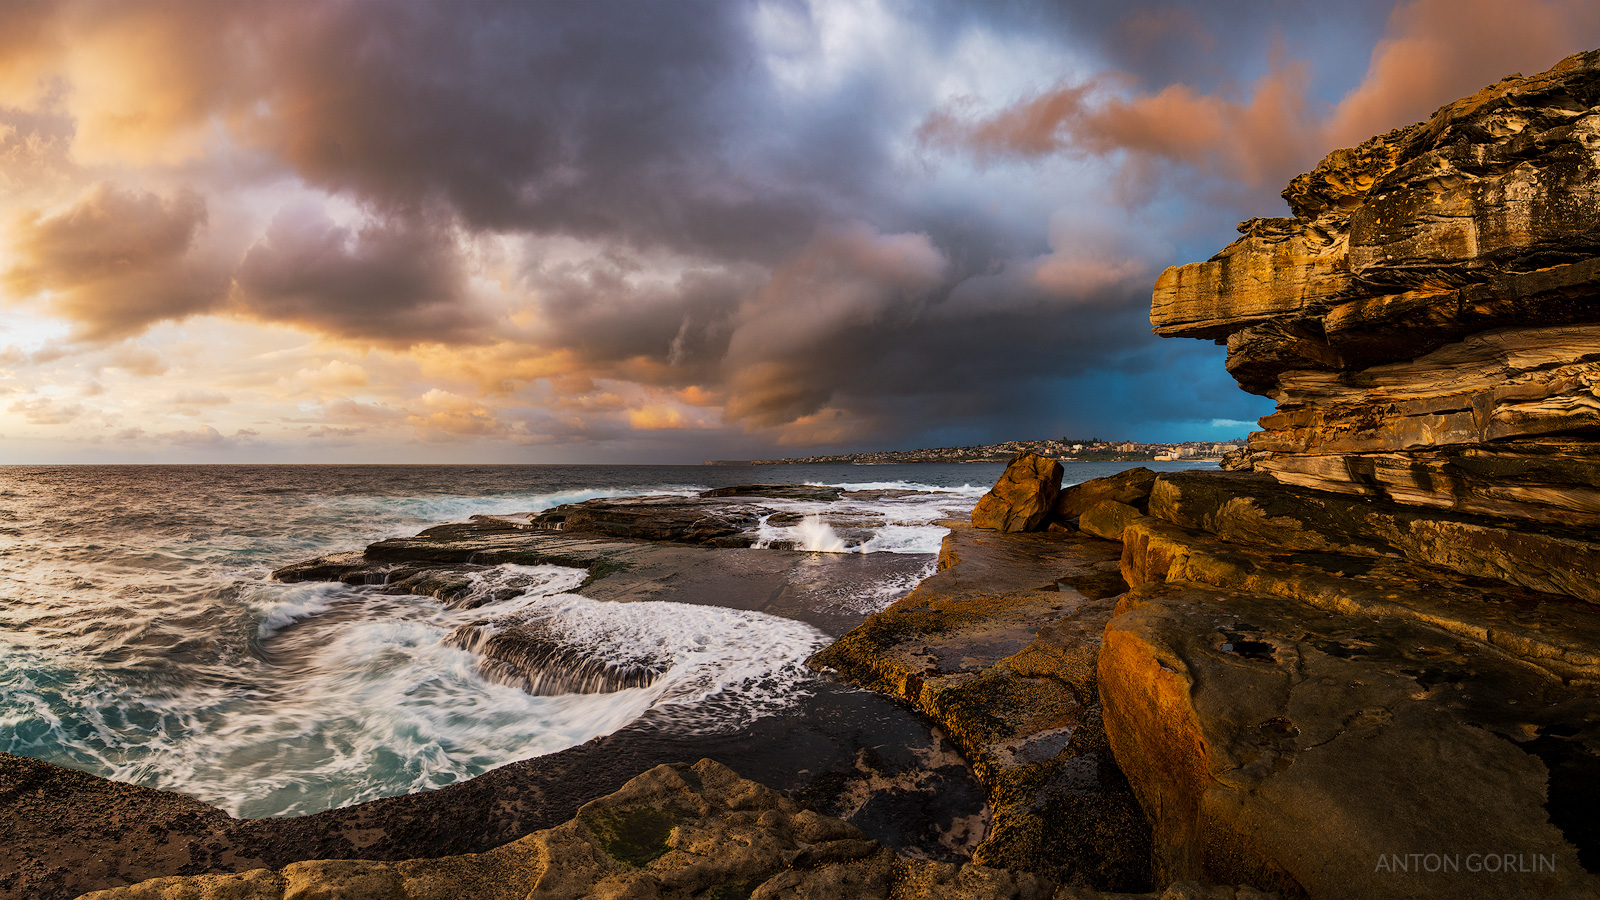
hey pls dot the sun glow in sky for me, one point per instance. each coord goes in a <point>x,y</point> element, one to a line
<point>659,232</point>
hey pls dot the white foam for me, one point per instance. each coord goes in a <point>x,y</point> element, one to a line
<point>704,650</point>
<point>374,701</point>
<point>297,601</point>
<point>817,536</point>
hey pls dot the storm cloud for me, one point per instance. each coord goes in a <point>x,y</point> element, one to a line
<point>626,230</point>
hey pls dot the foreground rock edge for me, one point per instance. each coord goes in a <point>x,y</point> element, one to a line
<point>676,831</point>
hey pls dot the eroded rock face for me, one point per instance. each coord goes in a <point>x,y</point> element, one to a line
<point>1431,310</point>
<point>1023,497</point>
<point>1131,487</point>
<point>1305,751</point>
<point>1354,671</point>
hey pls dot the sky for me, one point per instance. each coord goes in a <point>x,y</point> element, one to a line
<point>635,232</point>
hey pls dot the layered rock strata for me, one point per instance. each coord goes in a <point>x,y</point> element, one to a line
<point>1428,321</point>
<point>1371,667</point>
<point>1314,694</point>
<point>1310,720</point>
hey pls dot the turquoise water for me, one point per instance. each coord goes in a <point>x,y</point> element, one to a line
<point>141,639</point>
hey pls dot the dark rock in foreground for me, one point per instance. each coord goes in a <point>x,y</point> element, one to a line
<point>673,832</point>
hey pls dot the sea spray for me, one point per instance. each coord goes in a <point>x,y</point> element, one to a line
<point>818,536</point>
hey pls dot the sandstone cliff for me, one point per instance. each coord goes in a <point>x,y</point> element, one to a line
<point>1371,665</point>
<point>1428,320</point>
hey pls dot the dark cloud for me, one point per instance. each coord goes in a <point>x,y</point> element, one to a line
<point>608,120</point>
<point>715,206</point>
<point>116,261</point>
<point>392,281</point>
<point>616,320</point>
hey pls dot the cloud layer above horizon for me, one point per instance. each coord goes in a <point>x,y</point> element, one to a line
<point>649,231</point>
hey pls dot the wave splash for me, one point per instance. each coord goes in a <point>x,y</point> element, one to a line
<point>353,694</point>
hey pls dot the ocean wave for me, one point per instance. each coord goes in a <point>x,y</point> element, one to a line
<point>362,694</point>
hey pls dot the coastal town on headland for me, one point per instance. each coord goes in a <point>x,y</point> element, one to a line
<point>1067,449</point>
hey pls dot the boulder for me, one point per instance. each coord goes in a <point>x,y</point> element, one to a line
<point>1107,519</point>
<point>1023,497</point>
<point>1131,487</point>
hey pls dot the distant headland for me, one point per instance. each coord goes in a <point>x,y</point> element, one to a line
<point>1063,448</point>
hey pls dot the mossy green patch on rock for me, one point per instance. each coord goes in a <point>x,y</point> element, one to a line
<point>636,836</point>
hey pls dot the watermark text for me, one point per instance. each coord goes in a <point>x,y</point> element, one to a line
<point>1430,863</point>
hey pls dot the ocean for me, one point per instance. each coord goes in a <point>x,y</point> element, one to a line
<point>141,638</point>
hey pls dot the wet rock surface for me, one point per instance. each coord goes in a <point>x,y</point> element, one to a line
<point>843,752</point>
<point>444,561</point>
<point>999,649</point>
<point>723,517</point>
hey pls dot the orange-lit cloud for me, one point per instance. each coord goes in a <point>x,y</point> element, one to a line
<point>115,262</point>
<point>1251,138</point>
<point>441,414</point>
<point>658,418</point>
<point>1434,52</point>
<point>146,79</point>
<point>30,42</point>
<point>1438,50</point>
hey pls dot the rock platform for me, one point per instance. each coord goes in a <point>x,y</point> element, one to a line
<point>998,649</point>
<point>674,832</point>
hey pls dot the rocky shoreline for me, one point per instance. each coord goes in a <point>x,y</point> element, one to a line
<point>1364,663</point>
<point>845,752</point>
